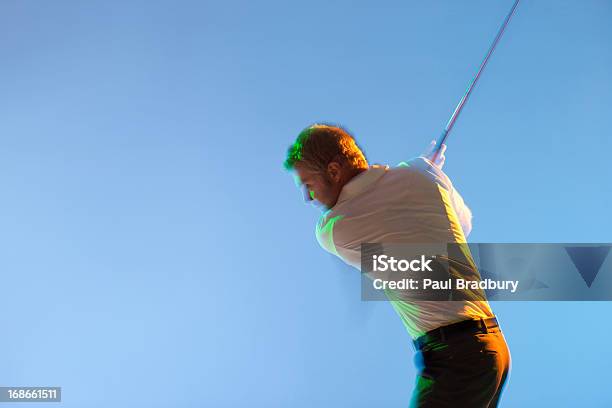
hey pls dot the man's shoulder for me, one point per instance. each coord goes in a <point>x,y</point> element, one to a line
<point>416,163</point>
<point>423,166</point>
<point>410,168</point>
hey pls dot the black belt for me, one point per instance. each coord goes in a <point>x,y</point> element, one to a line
<point>472,326</point>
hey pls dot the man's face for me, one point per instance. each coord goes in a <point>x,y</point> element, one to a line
<point>323,187</point>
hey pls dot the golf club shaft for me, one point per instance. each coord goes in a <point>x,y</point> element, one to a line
<point>451,122</point>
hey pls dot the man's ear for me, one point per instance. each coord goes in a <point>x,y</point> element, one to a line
<point>334,171</point>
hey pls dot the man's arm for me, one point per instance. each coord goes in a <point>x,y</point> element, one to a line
<point>464,214</point>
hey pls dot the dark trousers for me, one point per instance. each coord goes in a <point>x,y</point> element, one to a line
<point>465,370</point>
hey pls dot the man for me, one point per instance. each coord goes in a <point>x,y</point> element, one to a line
<point>462,355</point>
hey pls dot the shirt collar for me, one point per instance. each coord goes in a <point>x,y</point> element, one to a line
<point>361,182</point>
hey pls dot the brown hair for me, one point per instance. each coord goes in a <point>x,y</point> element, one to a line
<point>320,144</point>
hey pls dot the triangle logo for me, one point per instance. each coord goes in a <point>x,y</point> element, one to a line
<point>588,260</point>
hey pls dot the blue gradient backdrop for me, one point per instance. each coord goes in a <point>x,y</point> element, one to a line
<point>155,254</point>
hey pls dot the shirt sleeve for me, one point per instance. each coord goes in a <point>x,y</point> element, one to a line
<point>464,214</point>
<point>424,165</point>
<point>325,231</point>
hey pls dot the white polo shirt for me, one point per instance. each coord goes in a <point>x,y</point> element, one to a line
<point>413,203</point>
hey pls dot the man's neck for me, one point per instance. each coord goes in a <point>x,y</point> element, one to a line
<point>355,172</point>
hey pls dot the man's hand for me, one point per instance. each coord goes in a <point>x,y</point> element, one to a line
<point>440,158</point>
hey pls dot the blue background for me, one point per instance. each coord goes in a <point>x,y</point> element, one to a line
<point>154,253</point>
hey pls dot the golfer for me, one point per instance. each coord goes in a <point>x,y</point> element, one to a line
<point>461,354</point>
